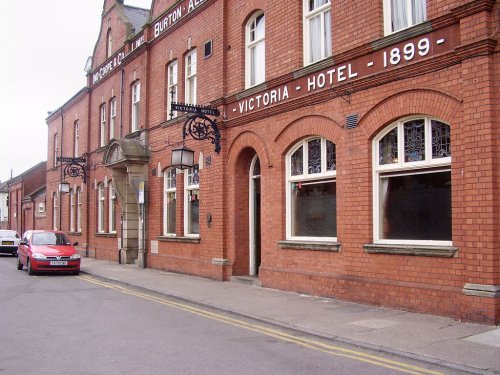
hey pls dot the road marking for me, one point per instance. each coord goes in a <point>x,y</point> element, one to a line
<point>311,344</point>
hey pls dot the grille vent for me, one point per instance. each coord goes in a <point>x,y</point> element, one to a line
<point>351,121</point>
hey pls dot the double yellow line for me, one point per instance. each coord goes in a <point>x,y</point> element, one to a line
<point>311,344</point>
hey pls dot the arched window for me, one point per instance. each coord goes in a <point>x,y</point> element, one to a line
<point>192,201</point>
<point>112,118</point>
<point>136,105</point>
<point>412,182</point>
<point>76,138</point>
<point>255,31</point>
<point>112,208</point>
<point>317,30</point>
<point>169,202</point>
<point>54,211</point>
<point>100,207</point>
<point>71,210</point>
<point>109,44</point>
<point>102,128</point>
<point>311,191</point>
<point>190,89</point>
<point>171,86</point>
<point>78,209</point>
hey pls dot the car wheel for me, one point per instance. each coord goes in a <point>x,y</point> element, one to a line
<point>28,266</point>
<point>19,264</point>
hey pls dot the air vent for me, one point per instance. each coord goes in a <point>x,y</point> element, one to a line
<point>351,121</point>
<point>208,49</point>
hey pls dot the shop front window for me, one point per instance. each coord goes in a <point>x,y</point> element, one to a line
<point>312,191</point>
<point>413,183</point>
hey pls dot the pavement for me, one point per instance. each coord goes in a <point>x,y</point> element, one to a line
<point>468,347</point>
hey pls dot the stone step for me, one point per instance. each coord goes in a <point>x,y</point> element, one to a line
<point>247,280</point>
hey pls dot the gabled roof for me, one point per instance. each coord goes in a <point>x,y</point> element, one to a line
<point>138,17</point>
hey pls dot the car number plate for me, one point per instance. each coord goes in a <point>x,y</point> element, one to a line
<point>7,242</point>
<point>58,263</point>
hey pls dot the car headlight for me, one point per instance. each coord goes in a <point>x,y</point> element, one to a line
<point>38,256</point>
<point>75,256</point>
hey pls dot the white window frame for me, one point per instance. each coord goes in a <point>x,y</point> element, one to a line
<point>100,207</point>
<point>305,177</point>
<point>71,210</point>
<point>77,138</point>
<point>191,71</point>
<point>54,211</point>
<point>326,35</point>
<point>112,208</point>
<point>169,187</point>
<point>401,168</point>
<point>188,187</point>
<point>136,106</point>
<point>79,209</point>
<point>252,43</point>
<point>56,149</point>
<point>388,16</point>
<point>109,43</point>
<point>112,118</point>
<point>102,117</point>
<point>172,84</point>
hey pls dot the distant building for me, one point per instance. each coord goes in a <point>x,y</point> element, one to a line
<point>4,205</point>
<point>27,199</point>
<point>359,145</point>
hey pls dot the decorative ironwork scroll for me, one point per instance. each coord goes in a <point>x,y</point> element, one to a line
<point>75,167</point>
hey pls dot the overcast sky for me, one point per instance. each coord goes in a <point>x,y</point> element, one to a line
<point>44,48</point>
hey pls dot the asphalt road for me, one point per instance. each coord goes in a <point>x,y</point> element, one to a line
<point>63,324</point>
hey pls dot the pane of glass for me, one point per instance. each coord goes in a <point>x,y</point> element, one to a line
<point>327,35</point>
<point>388,148</point>
<point>315,38</point>
<point>259,27</point>
<point>171,212</point>
<point>440,140</point>
<point>416,207</point>
<point>297,162</point>
<point>331,156</point>
<point>414,140</point>
<point>314,153</point>
<point>193,212</point>
<point>314,209</point>
<point>194,175</point>
<point>256,168</point>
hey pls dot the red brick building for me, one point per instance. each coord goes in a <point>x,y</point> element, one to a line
<point>359,148</point>
<point>27,199</point>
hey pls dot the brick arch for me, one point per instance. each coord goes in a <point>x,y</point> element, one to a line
<point>248,139</point>
<point>307,126</point>
<point>416,101</point>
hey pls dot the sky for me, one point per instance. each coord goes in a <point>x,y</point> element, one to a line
<point>44,48</point>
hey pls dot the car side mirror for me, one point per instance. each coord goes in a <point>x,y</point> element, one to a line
<point>75,243</point>
<point>23,243</point>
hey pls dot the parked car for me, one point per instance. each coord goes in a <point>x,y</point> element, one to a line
<point>9,240</point>
<point>47,251</point>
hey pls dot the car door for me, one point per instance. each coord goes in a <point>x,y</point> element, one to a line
<point>23,248</point>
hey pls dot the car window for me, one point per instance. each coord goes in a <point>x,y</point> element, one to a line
<point>50,238</point>
<point>8,234</point>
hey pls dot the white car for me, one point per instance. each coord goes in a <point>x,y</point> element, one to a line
<point>9,241</point>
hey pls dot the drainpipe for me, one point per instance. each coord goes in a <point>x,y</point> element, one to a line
<point>122,91</point>
<point>61,168</point>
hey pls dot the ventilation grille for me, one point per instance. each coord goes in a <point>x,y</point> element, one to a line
<point>351,121</point>
<point>208,49</point>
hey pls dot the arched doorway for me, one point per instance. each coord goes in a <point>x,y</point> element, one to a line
<point>254,217</point>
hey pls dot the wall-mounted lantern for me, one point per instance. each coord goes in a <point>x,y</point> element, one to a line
<point>75,167</point>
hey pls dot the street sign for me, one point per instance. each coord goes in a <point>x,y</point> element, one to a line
<point>66,159</point>
<point>198,109</point>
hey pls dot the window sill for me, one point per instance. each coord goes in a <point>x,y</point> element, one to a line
<point>402,35</point>
<point>310,245</point>
<point>416,250</point>
<point>179,239</point>
<point>75,233</point>
<point>108,235</point>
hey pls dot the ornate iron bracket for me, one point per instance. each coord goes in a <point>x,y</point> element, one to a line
<point>198,125</point>
<point>75,167</point>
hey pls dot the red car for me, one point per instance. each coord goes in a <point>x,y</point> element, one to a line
<point>47,251</point>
